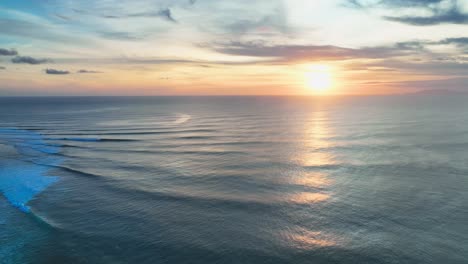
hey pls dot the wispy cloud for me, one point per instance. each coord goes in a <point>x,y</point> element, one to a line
<point>457,41</point>
<point>156,61</point>
<point>136,42</point>
<point>113,19</point>
<point>453,16</point>
<point>119,35</point>
<point>417,12</point>
<point>88,71</point>
<point>447,84</point>
<point>36,29</point>
<point>431,66</point>
<point>62,17</point>
<point>313,52</point>
<point>393,3</point>
<point>56,72</point>
<point>163,13</point>
<point>28,60</point>
<point>460,42</point>
<point>270,22</point>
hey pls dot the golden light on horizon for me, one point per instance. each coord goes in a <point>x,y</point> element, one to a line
<point>319,78</point>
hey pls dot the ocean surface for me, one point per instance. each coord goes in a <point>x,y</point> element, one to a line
<point>234,180</point>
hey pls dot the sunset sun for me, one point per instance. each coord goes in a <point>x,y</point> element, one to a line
<point>319,78</point>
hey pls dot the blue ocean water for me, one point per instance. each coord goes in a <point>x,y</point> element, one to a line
<point>234,179</point>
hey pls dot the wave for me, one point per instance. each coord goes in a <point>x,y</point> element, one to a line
<point>195,137</point>
<point>201,201</point>
<point>21,181</point>
<point>93,139</point>
<point>136,133</point>
<point>168,152</point>
<point>182,118</point>
<point>80,139</point>
<point>95,110</point>
<point>75,171</point>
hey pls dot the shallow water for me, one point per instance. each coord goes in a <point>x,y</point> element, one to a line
<point>234,180</point>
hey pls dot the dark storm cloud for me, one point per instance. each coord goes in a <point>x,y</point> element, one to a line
<point>88,71</point>
<point>440,12</point>
<point>56,72</point>
<point>28,60</point>
<point>6,52</point>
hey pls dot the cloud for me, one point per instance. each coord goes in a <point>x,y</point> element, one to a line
<point>434,67</point>
<point>460,42</point>
<point>5,52</point>
<point>88,71</point>
<point>415,57</point>
<point>312,52</point>
<point>135,20</point>
<point>392,3</point>
<point>154,61</point>
<point>457,41</point>
<point>113,13</point>
<point>2,68</point>
<point>163,13</point>
<point>453,16</point>
<point>40,30</point>
<point>56,72</point>
<point>28,60</point>
<point>261,26</point>
<point>435,11</point>
<point>117,35</point>
<point>451,84</point>
<point>270,21</point>
<point>62,17</point>
<point>167,14</point>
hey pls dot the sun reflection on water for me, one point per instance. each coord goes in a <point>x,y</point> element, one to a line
<point>308,197</point>
<point>312,179</point>
<point>316,141</point>
<point>313,152</point>
<point>305,239</point>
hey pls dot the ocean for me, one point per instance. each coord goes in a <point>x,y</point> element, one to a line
<point>357,179</point>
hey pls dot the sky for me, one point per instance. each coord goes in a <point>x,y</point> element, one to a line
<point>235,47</point>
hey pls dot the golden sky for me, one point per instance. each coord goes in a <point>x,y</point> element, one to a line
<point>217,47</point>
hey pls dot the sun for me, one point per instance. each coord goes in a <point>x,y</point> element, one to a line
<point>319,78</point>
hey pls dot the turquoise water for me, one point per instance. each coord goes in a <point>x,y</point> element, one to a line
<point>234,180</point>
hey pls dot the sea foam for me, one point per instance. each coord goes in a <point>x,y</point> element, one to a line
<point>23,166</point>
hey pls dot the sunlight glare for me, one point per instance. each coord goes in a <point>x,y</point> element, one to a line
<point>319,78</point>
